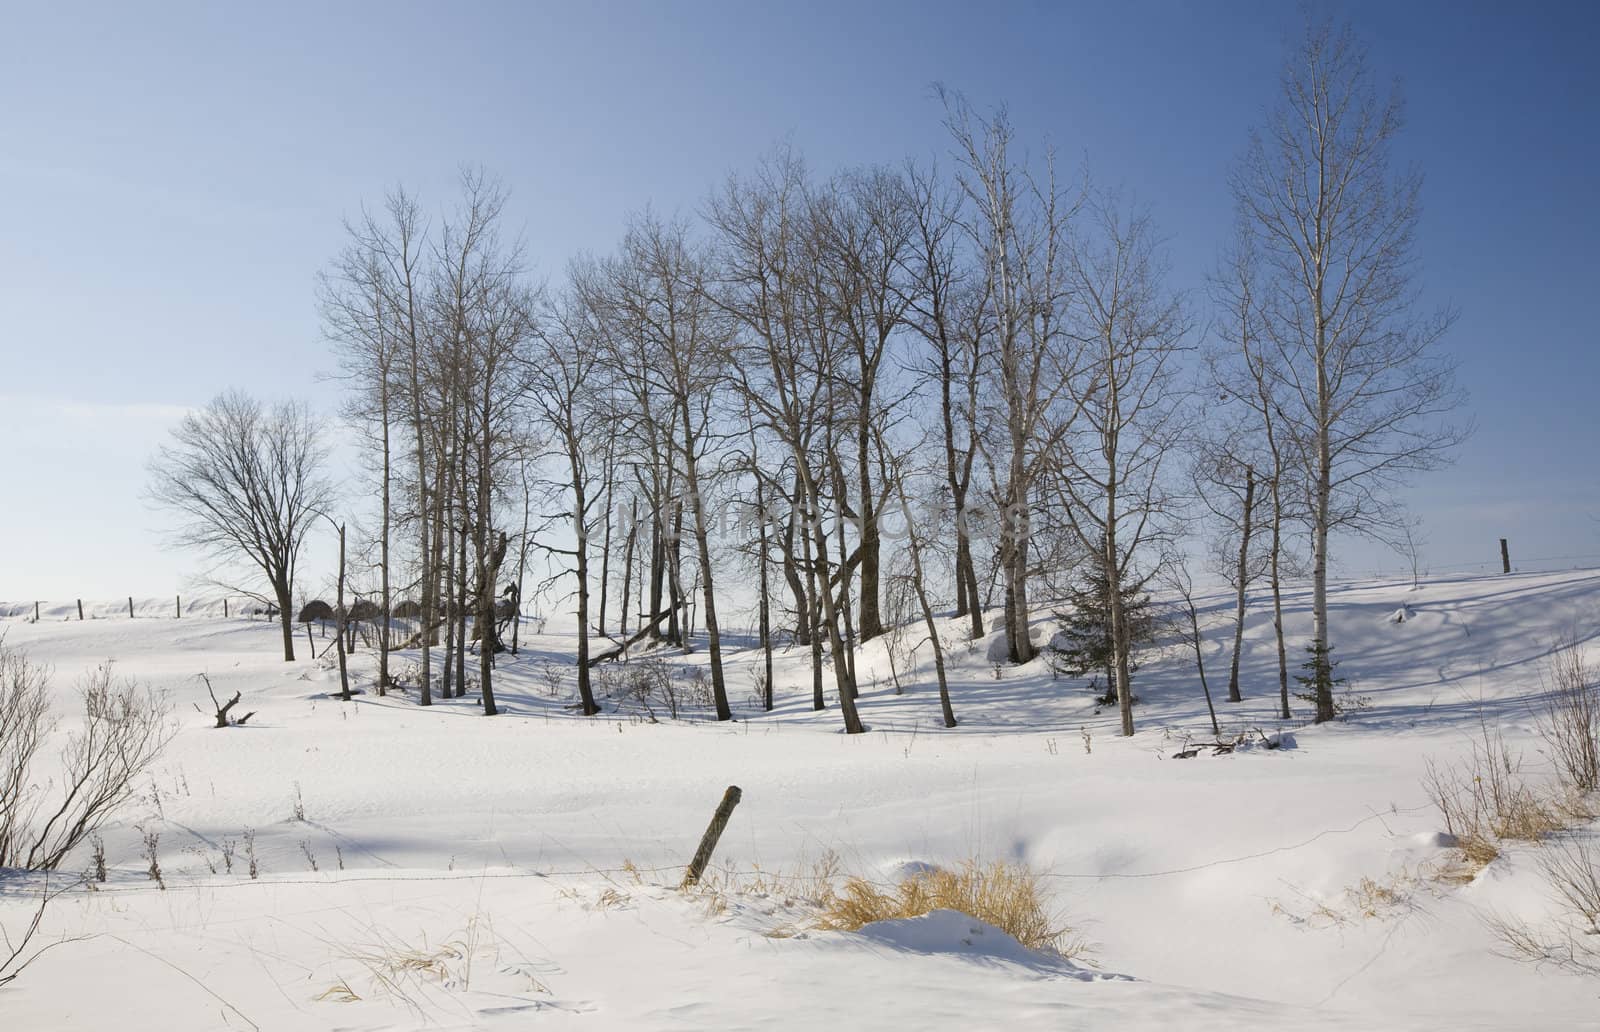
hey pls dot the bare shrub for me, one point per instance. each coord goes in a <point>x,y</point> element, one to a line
<point>1487,800</point>
<point>1570,723</point>
<point>16,945</point>
<point>1571,940</point>
<point>124,730</point>
<point>554,676</point>
<point>649,683</point>
<point>1008,896</point>
<point>696,689</point>
<point>152,854</point>
<point>97,869</point>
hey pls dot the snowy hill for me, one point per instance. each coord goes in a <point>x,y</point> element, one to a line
<point>436,868</point>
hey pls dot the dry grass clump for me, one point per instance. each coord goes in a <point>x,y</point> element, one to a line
<point>1486,800</point>
<point>409,973</point>
<point>808,884</point>
<point>1386,896</point>
<point>1008,896</point>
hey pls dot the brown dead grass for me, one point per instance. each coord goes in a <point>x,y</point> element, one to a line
<point>1486,800</point>
<point>1009,896</point>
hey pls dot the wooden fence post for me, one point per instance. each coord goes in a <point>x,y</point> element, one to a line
<point>1505,557</point>
<point>708,841</point>
<point>80,610</point>
<point>130,607</point>
<point>224,607</point>
<point>177,605</point>
<point>35,610</point>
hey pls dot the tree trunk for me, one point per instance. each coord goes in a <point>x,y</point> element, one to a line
<point>719,688</point>
<point>1119,619</point>
<point>605,547</point>
<point>871,617</point>
<point>808,610</point>
<point>1277,609</point>
<point>830,616</point>
<point>627,564</point>
<point>766,610</point>
<point>343,618</point>
<point>280,588</point>
<point>1321,641</point>
<point>915,549</point>
<point>658,563</point>
<point>385,519</point>
<point>579,508</point>
<point>1241,583</point>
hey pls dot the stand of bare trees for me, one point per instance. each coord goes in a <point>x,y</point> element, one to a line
<point>985,353</point>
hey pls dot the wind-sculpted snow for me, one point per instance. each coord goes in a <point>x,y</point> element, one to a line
<point>520,871</point>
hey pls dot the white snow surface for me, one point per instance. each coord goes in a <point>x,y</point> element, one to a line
<point>527,864</point>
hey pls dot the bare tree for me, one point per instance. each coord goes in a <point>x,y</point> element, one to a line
<point>1228,488</point>
<point>1409,541</point>
<point>948,305</point>
<point>916,538</point>
<point>398,243</point>
<point>1112,486</point>
<point>563,379</point>
<point>246,479</point>
<point>1243,375</point>
<point>1361,381</point>
<point>1019,228</point>
<point>358,314</point>
<point>486,316</point>
<point>771,284</point>
<point>659,284</point>
<point>1181,583</point>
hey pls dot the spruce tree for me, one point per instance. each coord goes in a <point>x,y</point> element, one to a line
<point>1085,642</point>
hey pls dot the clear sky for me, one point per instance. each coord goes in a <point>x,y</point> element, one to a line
<point>172,178</point>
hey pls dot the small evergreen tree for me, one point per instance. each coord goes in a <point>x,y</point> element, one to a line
<point>1318,681</point>
<point>1084,642</point>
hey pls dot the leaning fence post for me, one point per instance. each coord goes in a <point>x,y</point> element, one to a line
<point>130,607</point>
<point>708,841</point>
<point>80,610</point>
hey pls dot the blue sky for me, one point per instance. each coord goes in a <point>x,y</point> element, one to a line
<point>172,180</point>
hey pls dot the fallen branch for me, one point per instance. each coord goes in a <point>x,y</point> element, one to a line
<point>638,636</point>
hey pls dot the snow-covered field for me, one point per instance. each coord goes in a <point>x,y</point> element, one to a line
<point>520,871</point>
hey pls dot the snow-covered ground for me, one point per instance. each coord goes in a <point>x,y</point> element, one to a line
<point>520,871</point>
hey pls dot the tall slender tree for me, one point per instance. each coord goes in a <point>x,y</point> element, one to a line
<point>1363,384</point>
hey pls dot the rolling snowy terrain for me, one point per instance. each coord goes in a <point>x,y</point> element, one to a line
<point>433,868</point>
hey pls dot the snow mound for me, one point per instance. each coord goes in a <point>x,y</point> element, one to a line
<point>999,648</point>
<point>951,932</point>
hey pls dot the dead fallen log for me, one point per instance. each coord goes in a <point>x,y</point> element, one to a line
<point>637,637</point>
